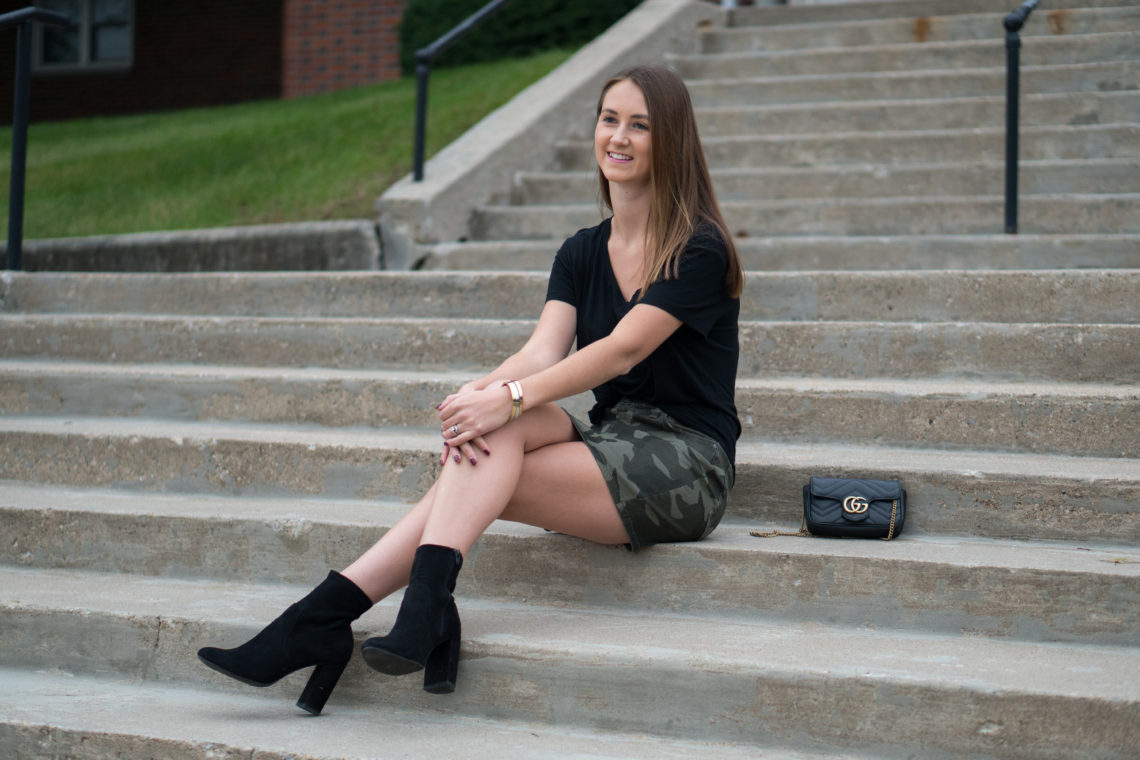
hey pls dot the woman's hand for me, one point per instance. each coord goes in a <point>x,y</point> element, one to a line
<point>469,414</point>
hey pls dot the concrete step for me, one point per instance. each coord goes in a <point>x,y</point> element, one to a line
<point>1109,175</point>
<point>889,148</point>
<point>1045,352</point>
<point>1099,353</point>
<point>305,295</point>
<point>975,493</point>
<point>56,714</point>
<point>939,215</point>
<point>1068,295</point>
<point>836,253</point>
<point>984,586</point>
<point>913,56</point>
<point>308,295</point>
<point>832,12</point>
<point>863,24</point>
<point>454,344</point>
<point>1030,352</point>
<point>325,397</point>
<point>593,669</point>
<point>887,85</point>
<point>1076,419</point>
<point>1055,109</point>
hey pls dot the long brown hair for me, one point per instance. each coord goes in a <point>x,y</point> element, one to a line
<point>683,196</point>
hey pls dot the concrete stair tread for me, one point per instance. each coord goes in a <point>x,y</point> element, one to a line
<point>887,202</point>
<point>852,169</point>
<point>836,13</point>
<point>802,26</point>
<point>56,319</point>
<point>888,135</point>
<point>182,371</point>
<point>996,42</point>
<point>1030,71</point>
<point>919,113</point>
<point>49,711</point>
<point>732,542</point>
<point>932,100</point>
<point>599,636</point>
<point>1046,212</point>
<point>522,290</point>
<point>912,56</point>
<point>879,386</point>
<point>871,347</point>
<point>992,239</point>
<point>908,462</point>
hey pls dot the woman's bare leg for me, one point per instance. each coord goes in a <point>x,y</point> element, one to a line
<point>558,482</point>
<point>538,473</point>
<point>384,568</point>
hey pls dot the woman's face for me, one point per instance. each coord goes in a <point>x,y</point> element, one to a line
<point>622,144</point>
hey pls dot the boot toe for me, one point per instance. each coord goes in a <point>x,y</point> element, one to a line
<point>218,660</point>
<point>384,661</point>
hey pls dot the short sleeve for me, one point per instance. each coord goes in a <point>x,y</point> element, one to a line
<point>697,295</point>
<point>562,285</point>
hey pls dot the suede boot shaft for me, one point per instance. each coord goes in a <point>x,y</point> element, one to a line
<point>427,630</point>
<point>313,631</point>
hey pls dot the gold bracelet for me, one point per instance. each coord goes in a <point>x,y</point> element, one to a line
<point>516,398</point>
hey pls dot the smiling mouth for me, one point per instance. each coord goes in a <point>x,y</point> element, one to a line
<point>618,156</point>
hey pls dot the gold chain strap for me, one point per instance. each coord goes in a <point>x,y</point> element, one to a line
<point>805,533</point>
<point>894,513</point>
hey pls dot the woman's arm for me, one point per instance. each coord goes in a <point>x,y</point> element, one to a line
<point>551,341</point>
<point>634,338</point>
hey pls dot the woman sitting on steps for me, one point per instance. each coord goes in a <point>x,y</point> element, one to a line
<point>651,297</point>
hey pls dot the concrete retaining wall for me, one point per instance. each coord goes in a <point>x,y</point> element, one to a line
<point>337,246</point>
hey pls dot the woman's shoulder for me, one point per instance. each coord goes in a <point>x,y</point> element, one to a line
<point>581,248</point>
<point>589,237</point>
<point>707,237</point>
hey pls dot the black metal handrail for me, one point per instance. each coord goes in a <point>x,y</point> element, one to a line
<point>1013,23</point>
<point>424,57</point>
<point>23,18</point>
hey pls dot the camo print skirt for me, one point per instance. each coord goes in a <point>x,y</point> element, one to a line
<point>669,482</point>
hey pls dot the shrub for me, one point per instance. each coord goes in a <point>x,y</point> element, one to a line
<point>520,28</point>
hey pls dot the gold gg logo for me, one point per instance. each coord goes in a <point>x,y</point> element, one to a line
<point>855,505</point>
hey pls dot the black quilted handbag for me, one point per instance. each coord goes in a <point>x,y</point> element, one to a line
<point>851,507</point>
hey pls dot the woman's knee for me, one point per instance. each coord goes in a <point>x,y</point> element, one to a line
<point>537,427</point>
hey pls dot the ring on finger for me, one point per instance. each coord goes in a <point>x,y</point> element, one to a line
<point>454,430</point>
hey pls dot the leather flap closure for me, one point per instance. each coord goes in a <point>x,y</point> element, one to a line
<point>838,489</point>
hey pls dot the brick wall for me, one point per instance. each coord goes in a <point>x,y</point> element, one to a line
<point>336,44</point>
<point>186,54</point>
<point>190,53</point>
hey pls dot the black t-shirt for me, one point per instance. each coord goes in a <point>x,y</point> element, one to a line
<point>692,375</point>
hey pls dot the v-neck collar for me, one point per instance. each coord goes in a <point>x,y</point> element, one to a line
<point>626,302</point>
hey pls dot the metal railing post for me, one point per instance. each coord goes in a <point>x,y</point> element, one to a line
<point>22,20</point>
<point>423,71</point>
<point>1013,23</point>
<point>424,57</point>
<point>19,146</point>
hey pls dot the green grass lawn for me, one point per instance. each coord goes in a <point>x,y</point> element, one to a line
<point>319,157</point>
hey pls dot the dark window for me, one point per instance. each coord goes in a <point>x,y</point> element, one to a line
<point>100,35</point>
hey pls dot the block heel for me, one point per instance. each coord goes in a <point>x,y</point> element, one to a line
<point>442,669</point>
<point>426,633</point>
<point>320,686</point>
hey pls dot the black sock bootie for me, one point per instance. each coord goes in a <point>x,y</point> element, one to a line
<point>314,631</point>
<point>426,633</point>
